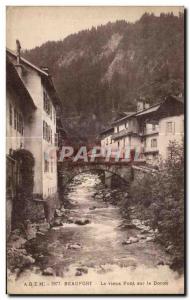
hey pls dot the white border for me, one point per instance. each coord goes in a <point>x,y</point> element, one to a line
<point>3,4</point>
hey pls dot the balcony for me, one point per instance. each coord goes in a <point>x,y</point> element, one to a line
<point>123,133</point>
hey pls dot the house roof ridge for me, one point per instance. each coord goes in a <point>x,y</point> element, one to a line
<point>28,63</point>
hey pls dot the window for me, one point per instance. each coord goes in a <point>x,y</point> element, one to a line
<point>117,128</point>
<point>18,123</point>
<point>44,130</point>
<point>54,115</point>
<point>22,125</point>
<point>169,127</point>
<point>47,104</point>
<point>52,166</point>
<point>126,125</point>
<point>10,115</point>
<point>47,132</point>
<point>46,165</point>
<point>15,119</point>
<point>153,143</point>
<point>153,127</point>
<point>118,144</point>
<point>56,139</point>
<point>51,136</point>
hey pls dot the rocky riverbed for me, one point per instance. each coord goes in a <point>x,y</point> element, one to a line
<point>90,237</point>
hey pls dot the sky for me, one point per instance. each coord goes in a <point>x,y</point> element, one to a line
<point>35,25</point>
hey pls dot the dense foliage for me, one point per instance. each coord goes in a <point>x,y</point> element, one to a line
<point>161,199</point>
<point>24,189</point>
<point>101,71</point>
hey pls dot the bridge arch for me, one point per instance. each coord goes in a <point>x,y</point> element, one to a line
<point>66,171</point>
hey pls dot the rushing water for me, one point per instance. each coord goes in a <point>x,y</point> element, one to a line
<point>99,251</point>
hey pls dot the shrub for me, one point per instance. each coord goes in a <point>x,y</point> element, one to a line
<point>162,194</point>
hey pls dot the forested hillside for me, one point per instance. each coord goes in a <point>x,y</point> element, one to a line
<point>102,71</point>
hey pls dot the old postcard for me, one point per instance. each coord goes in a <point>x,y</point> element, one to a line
<point>95,150</point>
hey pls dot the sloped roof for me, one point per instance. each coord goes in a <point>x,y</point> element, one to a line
<point>110,129</point>
<point>124,118</point>
<point>25,61</point>
<point>47,79</point>
<point>13,79</point>
<point>148,110</point>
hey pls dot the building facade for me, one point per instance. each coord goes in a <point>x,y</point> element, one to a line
<point>147,133</point>
<point>31,107</point>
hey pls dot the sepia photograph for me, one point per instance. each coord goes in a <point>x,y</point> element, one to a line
<point>95,140</point>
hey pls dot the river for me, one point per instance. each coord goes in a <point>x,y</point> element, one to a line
<point>95,252</point>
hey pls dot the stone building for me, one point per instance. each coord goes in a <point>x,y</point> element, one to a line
<point>32,103</point>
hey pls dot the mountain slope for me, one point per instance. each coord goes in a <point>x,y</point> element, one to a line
<point>101,71</point>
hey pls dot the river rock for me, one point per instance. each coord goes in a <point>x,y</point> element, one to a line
<point>128,225</point>
<point>82,270</point>
<point>30,230</point>
<point>131,240</point>
<point>57,222</point>
<point>150,238</point>
<point>62,209</point>
<point>70,220</point>
<point>59,213</point>
<point>169,248</point>
<point>43,227</point>
<point>141,236</point>
<point>78,273</point>
<point>92,207</point>
<point>39,233</point>
<point>48,271</point>
<point>161,263</point>
<point>74,246</point>
<point>16,241</point>
<point>82,221</point>
<point>107,195</point>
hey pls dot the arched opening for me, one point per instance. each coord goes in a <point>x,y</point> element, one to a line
<point>109,180</point>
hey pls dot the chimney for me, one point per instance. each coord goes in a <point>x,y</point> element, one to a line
<point>18,47</point>
<point>146,105</point>
<point>142,104</point>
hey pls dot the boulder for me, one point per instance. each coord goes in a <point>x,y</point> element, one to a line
<point>43,227</point>
<point>74,246</point>
<point>16,241</point>
<point>48,271</point>
<point>30,231</point>
<point>57,222</point>
<point>129,225</point>
<point>169,248</point>
<point>161,263</point>
<point>150,238</point>
<point>131,240</point>
<point>28,260</point>
<point>82,270</point>
<point>39,233</point>
<point>141,236</point>
<point>92,207</point>
<point>70,220</point>
<point>78,273</point>
<point>58,213</point>
<point>82,222</point>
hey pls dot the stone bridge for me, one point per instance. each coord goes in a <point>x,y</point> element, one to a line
<point>67,170</point>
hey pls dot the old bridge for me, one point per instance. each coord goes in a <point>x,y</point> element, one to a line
<point>126,170</point>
